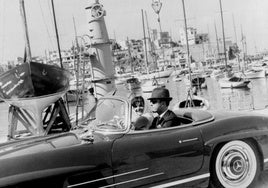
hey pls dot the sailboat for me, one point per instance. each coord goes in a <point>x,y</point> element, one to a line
<point>150,81</point>
<point>156,74</point>
<point>195,101</point>
<point>234,82</point>
<point>149,85</point>
<point>192,100</point>
<point>30,88</point>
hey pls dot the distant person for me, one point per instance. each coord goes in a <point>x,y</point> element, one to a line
<point>160,100</point>
<point>155,82</point>
<point>90,104</point>
<point>141,120</point>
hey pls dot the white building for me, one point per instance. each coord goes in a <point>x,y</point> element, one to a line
<point>191,35</point>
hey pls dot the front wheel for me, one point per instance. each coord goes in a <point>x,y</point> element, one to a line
<point>236,164</point>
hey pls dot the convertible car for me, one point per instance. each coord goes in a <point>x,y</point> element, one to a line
<point>211,149</point>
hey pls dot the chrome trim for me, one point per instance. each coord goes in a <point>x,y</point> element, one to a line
<point>182,181</point>
<point>137,179</point>
<point>194,123</point>
<point>87,182</point>
<point>188,140</point>
<point>265,160</point>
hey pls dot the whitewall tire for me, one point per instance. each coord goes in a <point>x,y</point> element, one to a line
<point>236,164</point>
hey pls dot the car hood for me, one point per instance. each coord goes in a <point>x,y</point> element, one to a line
<point>37,144</point>
<point>46,143</point>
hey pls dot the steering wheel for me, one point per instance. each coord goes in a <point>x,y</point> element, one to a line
<point>119,122</point>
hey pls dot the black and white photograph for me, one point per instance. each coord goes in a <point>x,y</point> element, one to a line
<point>134,93</point>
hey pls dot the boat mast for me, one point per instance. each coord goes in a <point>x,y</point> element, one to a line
<point>26,35</point>
<point>152,52</point>
<point>56,30</point>
<point>77,71</point>
<point>187,45</point>
<point>189,95</point>
<point>223,36</point>
<point>217,41</point>
<point>236,41</point>
<point>234,29</point>
<point>145,44</point>
<point>243,40</point>
<point>209,44</point>
<point>129,55</point>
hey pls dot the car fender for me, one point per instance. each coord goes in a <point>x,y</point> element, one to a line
<point>249,133</point>
<point>260,138</point>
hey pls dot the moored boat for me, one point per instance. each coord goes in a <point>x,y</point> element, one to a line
<point>32,87</point>
<point>255,73</point>
<point>149,85</point>
<point>195,102</point>
<point>233,82</point>
<point>133,83</point>
<point>156,74</point>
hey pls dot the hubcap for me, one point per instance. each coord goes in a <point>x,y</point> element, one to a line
<point>236,165</point>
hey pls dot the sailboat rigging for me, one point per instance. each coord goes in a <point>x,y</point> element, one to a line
<point>152,83</point>
<point>192,100</point>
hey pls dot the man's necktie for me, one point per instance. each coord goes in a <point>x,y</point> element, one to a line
<point>158,122</point>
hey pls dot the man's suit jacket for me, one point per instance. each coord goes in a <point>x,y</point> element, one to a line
<point>169,119</point>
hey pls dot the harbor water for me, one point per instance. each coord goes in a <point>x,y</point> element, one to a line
<point>252,98</point>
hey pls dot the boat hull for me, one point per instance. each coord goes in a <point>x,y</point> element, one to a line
<point>33,80</point>
<point>227,84</point>
<point>159,74</point>
<point>33,87</point>
<point>196,103</point>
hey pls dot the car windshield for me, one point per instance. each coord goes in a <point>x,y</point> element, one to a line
<point>111,115</point>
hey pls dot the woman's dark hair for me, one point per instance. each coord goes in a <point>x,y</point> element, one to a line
<point>137,100</point>
<point>91,90</point>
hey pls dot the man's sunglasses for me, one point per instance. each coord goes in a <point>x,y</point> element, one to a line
<point>153,101</point>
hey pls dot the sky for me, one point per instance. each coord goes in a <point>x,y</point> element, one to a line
<point>123,20</point>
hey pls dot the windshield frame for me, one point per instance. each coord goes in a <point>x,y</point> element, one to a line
<point>126,119</point>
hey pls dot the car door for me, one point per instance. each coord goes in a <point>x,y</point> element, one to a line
<point>146,157</point>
